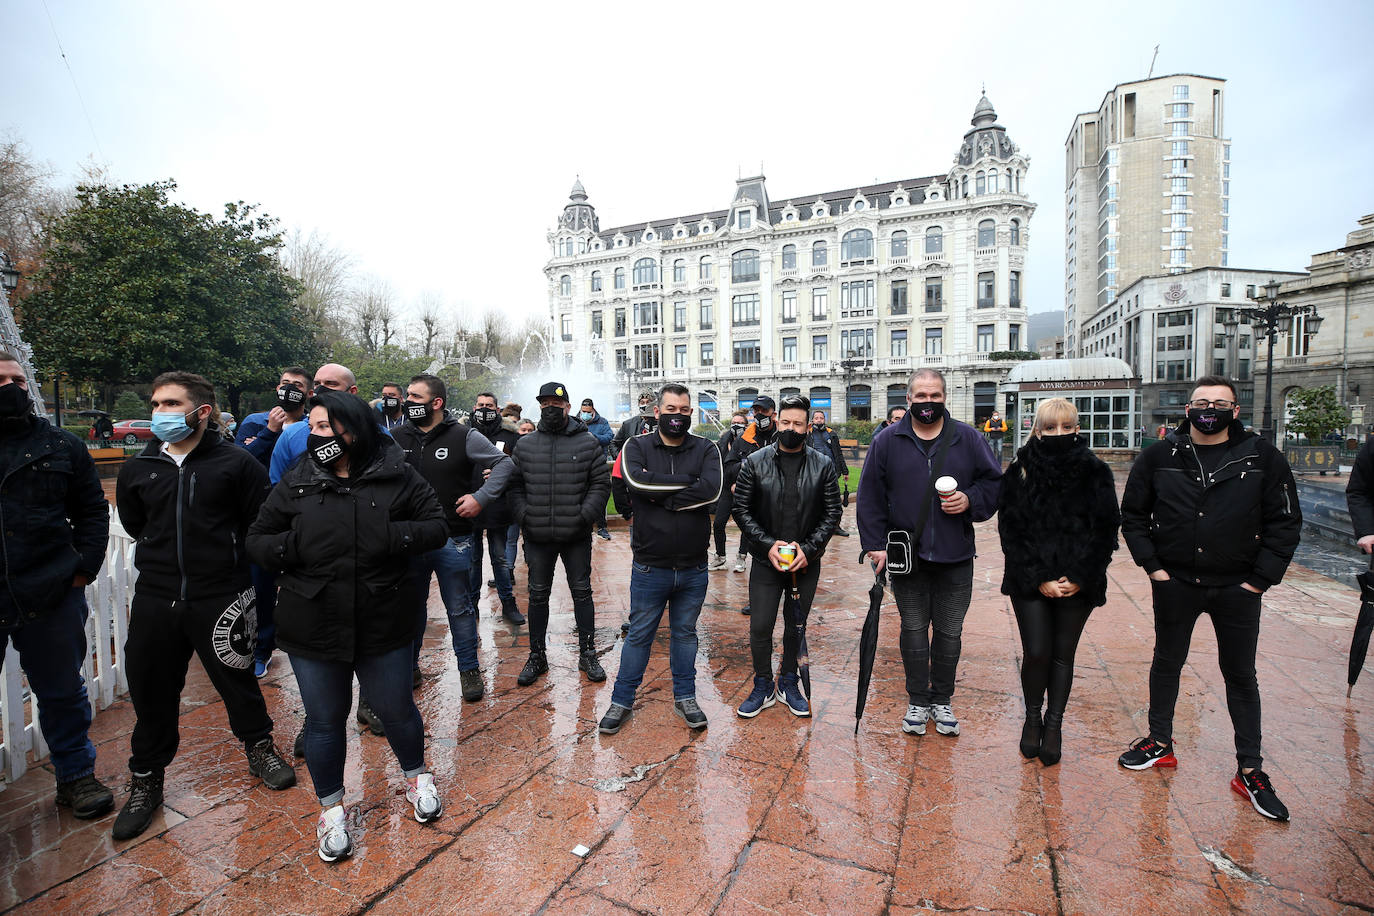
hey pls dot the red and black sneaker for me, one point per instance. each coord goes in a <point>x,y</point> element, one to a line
<point>1256,787</point>
<point>1148,752</point>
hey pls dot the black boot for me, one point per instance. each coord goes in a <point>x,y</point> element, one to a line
<point>511,612</point>
<point>1031,734</point>
<point>1052,738</point>
<point>587,660</point>
<point>145,798</point>
<point>535,665</point>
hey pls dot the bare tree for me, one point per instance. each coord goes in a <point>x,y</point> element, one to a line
<point>323,272</point>
<point>27,201</point>
<point>374,314</point>
<point>430,306</point>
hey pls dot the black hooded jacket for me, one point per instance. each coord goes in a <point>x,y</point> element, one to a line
<point>1057,516</point>
<point>560,484</point>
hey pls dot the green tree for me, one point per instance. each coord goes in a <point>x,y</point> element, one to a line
<point>129,406</point>
<point>133,285</point>
<point>1316,412</point>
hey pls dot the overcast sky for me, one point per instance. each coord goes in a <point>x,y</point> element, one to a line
<point>437,143</point>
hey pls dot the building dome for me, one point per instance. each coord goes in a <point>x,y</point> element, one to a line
<point>578,192</point>
<point>983,113</point>
<point>578,214</point>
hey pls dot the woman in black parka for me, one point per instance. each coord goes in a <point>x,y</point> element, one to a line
<point>341,529</point>
<point>1057,518</point>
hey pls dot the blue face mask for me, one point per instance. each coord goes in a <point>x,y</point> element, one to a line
<point>586,416</point>
<point>171,427</point>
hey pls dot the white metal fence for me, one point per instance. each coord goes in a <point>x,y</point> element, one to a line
<point>106,627</point>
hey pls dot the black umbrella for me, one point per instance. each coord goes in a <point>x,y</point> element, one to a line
<point>1364,623</point>
<point>92,413</point>
<point>868,647</point>
<point>794,623</point>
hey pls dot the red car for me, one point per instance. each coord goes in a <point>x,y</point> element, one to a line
<point>133,431</point>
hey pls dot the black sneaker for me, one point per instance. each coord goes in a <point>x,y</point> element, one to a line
<point>535,665</point>
<point>1146,753</point>
<point>744,610</point>
<point>614,719</point>
<point>690,712</point>
<point>87,796</point>
<point>265,763</point>
<point>145,797</point>
<point>473,685</point>
<point>602,533</point>
<point>299,747</point>
<point>588,662</point>
<point>1255,786</point>
<point>367,717</point>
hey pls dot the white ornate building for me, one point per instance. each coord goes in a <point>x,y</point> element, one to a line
<point>838,295</point>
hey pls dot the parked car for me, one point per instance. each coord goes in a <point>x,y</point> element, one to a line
<point>133,431</point>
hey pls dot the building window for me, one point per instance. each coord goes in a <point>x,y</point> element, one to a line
<point>1180,129</point>
<point>1014,289</point>
<point>980,185</point>
<point>964,185</point>
<point>1014,337</point>
<point>820,255</point>
<point>565,285</point>
<point>985,337</point>
<point>744,218</point>
<point>596,281</point>
<point>789,307</point>
<point>744,266</point>
<point>746,353</point>
<point>992,181</point>
<point>622,360</point>
<point>898,347</point>
<point>935,294</point>
<point>898,248</point>
<point>646,357</point>
<point>789,349</point>
<point>679,316</point>
<point>789,257</point>
<point>1016,232</point>
<point>565,325</point>
<point>987,234</point>
<point>899,302</point>
<point>857,343</point>
<point>1174,370</point>
<point>620,278</point>
<point>819,304</point>
<point>620,325</point>
<point>857,245</point>
<point>704,268</point>
<point>856,299</point>
<point>645,272</point>
<point>745,310</point>
<point>646,318</point>
<point>985,290</point>
<point>820,347</point>
<point>679,271</point>
<point>707,314</point>
<point>1178,258</point>
<point>935,341</point>
<point>1226,290</point>
<point>1178,110</point>
<point>1179,203</point>
<point>680,356</point>
<point>1181,91</point>
<point>935,240</point>
<point>596,325</point>
<point>708,354</point>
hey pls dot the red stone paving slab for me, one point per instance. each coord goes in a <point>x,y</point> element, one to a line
<point>771,814</point>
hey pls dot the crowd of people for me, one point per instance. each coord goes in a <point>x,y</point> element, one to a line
<point>320,527</point>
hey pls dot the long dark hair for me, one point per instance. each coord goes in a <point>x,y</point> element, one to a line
<point>348,412</point>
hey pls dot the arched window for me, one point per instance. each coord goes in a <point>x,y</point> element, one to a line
<point>645,272</point>
<point>857,245</point>
<point>935,240</point>
<point>704,267</point>
<point>596,281</point>
<point>899,244</point>
<point>987,234</point>
<point>620,278</point>
<point>992,182</point>
<point>965,183</point>
<point>1016,232</point>
<point>565,285</point>
<point>980,184</point>
<point>679,271</point>
<point>820,254</point>
<point>744,266</point>
<point>789,257</point>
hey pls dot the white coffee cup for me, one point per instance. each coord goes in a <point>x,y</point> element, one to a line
<point>946,487</point>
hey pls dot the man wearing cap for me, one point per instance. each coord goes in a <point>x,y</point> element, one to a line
<point>557,492</point>
<point>757,435</point>
<point>636,426</point>
<point>600,429</point>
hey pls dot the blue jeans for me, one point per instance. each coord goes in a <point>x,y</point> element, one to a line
<point>501,572</point>
<point>651,588</point>
<point>327,694</point>
<point>51,650</point>
<point>512,543</point>
<point>265,585</point>
<point>450,565</point>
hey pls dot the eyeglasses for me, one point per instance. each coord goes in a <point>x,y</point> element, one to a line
<point>1219,404</point>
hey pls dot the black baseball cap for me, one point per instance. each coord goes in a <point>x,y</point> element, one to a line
<point>553,390</point>
<point>764,402</point>
<point>587,402</point>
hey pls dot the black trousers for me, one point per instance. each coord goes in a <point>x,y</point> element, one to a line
<point>1235,613</point>
<point>1050,628</point>
<point>162,636</point>
<point>766,589</point>
<point>932,601</point>
<point>540,557</point>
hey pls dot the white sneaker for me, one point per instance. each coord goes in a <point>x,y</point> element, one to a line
<point>421,793</point>
<point>740,561</point>
<point>335,843</point>
<point>717,561</point>
<point>914,722</point>
<point>945,723</point>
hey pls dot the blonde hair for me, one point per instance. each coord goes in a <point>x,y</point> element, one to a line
<point>1054,409</point>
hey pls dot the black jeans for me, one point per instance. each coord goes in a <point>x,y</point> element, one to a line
<point>1050,628</point>
<point>766,589</point>
<point>162,636</point>
<point>540,557</point>
<point>721,519</point>
<point>935,597</point>
<point>1235,613</point>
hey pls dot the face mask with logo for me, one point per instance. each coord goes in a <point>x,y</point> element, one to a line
<point>737,427</point>
<point>819,424</point>
<point>14,402</point>
<point>419,412</point>
<point>791,439</point>
<point>290,398</point>
<point>1208,420</point>
<point>325,450</point>
<point>552,418</point>
<point>391,403</point>
<point>928,412</point>
<point>171,426</point>
<point>763,423</point>
<point>486,416</point>
<point>1058,445</point>
<point>674,425</point>
<point>646,409</point>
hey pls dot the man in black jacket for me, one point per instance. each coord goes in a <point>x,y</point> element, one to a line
<point>738,424</point>
<point>1212,515</point>
<point>675,479</point>
<point>188,499</point>
<point>635,426</point>
<point>56,523</point>
<point>823,439</point>
<point>557,492</point>
<point>494,523</point>
<point>786,496</point>
<point>451,458</point>
<point>1359,496</point>
<point>758,434</point>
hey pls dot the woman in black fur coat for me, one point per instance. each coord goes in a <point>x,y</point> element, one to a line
<point>1057,518</point>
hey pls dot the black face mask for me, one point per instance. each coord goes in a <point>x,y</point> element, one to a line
<point>486,416</point>
<point>1058,445</point>
<point>14,402</point>
<point>1208,420</point>
<point>674,425</point>
<point>820,424</point>
<point>419,413</point>
<point>321,389</point>
<point>325,450</point>
<point>290,398</point>
<point>791,439</point>
<point>646,409</point>
<point>737,427</point>
<point>391,404</point>
<point>552,418</point>
<point>763,423</point>
<point>927,412</point>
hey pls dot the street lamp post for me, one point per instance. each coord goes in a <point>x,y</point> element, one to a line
<point>1270,318</point>
<point>849,366</point>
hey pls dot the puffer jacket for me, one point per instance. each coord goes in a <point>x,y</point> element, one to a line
<point>1239,524</point>
<point>759,492</point>
<point>1057,516</point>
<point>342,548</point>
<point>53,515</point>
<point>560,484</point>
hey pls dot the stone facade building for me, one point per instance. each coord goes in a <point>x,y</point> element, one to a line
<point>837,295</point>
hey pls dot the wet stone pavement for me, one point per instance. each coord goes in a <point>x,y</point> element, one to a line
<point>765,815</point>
